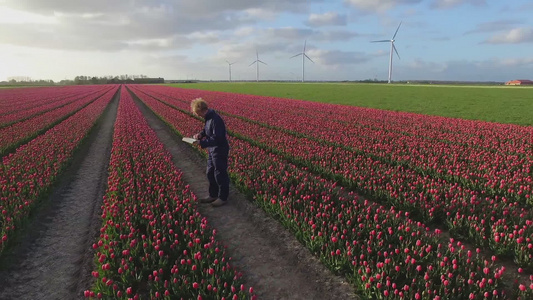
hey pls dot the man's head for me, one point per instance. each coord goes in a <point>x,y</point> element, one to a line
<point>199,107</point>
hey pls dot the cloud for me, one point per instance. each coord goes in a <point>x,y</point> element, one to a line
<point>111,27</point>
<point>432,67</point>
<point>493,26</point>
<point>114,25</point>
<point>379,5</point>
<point>204,37</point>
<point>12,16</point>
<point>526,6</point>
<point>513,7</point>
<point>444,4</point>
<point>290,33</point>
<point>335,35</point>
<point>253,15</point>
<point>153,45</point>
<point>513,36</point>
<point>380,53</point>
<point>195,8</point>
<point>294,34</point>
<point>244,31</point>
<point>327,19</point>
<point>52,37</point>
<point>516,62</point>
<point>495,69</point>
<point>210,6</point>
<point>72,7</point>
<point>338,58</point>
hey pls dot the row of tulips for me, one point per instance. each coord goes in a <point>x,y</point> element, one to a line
<point>153,242</point>
<point>381,250</point>
<point>18,133</point>
<point>44,103</point>
<point>27,175</point>
<point>465,211</point>
<point>501,162</point>
<point>16,100</point>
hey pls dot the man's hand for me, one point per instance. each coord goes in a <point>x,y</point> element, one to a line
<point>197,136</point>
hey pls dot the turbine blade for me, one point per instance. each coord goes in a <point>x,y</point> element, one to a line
<point>309,58</point>
<point>262,62</point>
<point>394,47</point>
<point>380,41</point>
<point>296,55</point>
<point>304,45</point>
<point>396,30</point>
<point>252,63</point>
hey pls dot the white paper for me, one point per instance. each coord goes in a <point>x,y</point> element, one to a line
<point>189,140</point>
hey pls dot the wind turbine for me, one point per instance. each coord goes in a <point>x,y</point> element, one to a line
<point>392,47</point>
<point>257,61</point>
<point>304,56</point>
<point>229,64</point>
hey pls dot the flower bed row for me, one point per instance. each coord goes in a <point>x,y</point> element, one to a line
<point>382,251</point>
<point>27,175</point>
<point>466,212</point>
<point>16,134</point>
<point>153,242</point>
<point>19,99</point>
<point>53,99</point>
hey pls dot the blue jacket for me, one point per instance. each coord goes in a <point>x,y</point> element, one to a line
<point>215,133</point>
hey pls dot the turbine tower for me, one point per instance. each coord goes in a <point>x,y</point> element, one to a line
<point>257,61</point>
<point>392,48</point>
<point>304,56</point>
<point>229,64</point>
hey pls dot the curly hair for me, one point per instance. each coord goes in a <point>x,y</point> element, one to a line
<point>198,104</point>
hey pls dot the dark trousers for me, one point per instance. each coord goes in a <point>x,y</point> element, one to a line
<point>217,174</point>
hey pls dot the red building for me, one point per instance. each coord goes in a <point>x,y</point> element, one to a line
<point>520,82</point>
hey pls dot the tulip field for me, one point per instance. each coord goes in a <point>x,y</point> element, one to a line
<point>308,164</point>
<point>401,205</point>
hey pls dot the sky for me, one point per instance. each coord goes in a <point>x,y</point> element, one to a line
<point>466,40</point>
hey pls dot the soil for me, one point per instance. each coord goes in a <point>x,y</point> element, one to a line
<point>52,258</point>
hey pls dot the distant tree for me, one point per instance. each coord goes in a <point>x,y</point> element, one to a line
<point>66,82</point>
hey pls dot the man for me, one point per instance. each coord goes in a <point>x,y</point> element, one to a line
<point>213,137</point>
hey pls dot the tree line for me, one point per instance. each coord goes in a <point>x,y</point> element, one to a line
<point>83,80</point>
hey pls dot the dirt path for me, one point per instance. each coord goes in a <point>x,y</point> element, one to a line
<point>53,257</point>
<point>272,260</point>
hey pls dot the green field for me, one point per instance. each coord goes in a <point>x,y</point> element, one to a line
<point>502,104</point>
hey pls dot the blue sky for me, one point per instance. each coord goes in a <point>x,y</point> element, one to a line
<point>468,40</point>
